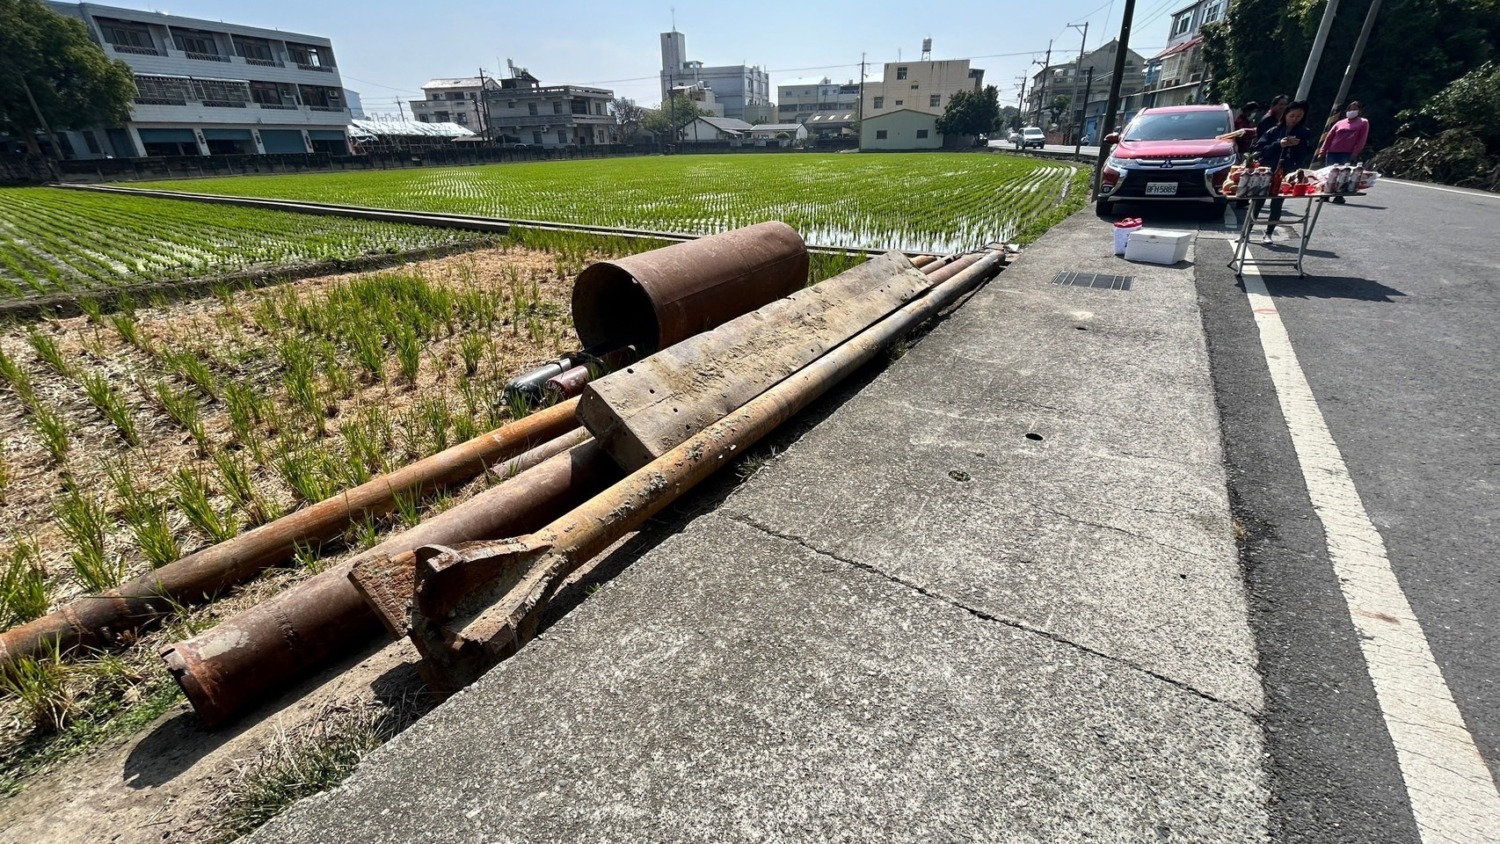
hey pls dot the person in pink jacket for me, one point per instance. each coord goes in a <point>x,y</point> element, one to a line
<point>1345,142</point>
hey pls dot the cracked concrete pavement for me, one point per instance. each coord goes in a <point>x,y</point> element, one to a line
<point>992,596</point>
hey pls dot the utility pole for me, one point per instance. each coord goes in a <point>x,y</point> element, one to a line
<point>401,106</point>
<point>483,113</point>
<point>1042,94</point>
<point>1315,55</point>
<point>1021,103</point>
<point>1078,136</point>
<point>1077,72</point>
<point>1359,49</point>
<point>859,137</point>
<point>46,130</point>
<point>1112,108</point>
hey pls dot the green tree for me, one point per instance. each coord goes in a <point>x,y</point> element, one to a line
<point>1416,49</point>
<point>1454,138</point>
<point>51,58</point>
<point>971,113</point>
<point>660,121</point>
<point>629,115</point>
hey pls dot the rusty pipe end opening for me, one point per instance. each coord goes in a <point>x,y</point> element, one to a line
<point>612,309</point>
<point>187,669</point>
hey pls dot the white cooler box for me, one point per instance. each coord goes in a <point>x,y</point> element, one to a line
<point>1158,246</point>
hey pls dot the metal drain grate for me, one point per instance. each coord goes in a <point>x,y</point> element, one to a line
<point>1098,281</point>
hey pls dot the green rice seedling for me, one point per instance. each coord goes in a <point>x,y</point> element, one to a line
<point>46,350</point>
<point>365,533</point>
<point>299,380</point>
<point>6,475</point>
<point>408,508</point>
<point>369,352</point>
<point>246,408</point>
<point>309,557</point>
<point>52,428</point>
<point>191,367</point>
<point>152,530</point>
<point>16,377</point>
<point>472,348</point>
<point>438,418</point>
<point>42,689</point>
<point>193,501</point>
<point>409,354</point>
<point>85,523</point>
<point>301,470</point>
<point>91,309</point>
<point>111,404</point>
<point>23,587</point>
<point>183,408</point>
<point>234,479</point>
<point>340,382</point>
<point>129,331</point>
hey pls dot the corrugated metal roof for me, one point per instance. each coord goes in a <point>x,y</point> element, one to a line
<point>406,128</point>
<point>456,82</point>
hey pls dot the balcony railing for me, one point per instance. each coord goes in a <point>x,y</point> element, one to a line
<point>318,67</point>
<point>279,105</point>
<point>224,104</point>
<point>206,57</point>
<point>137,51</point>
<point>159,101</point>
<point>327,108</point>
<point>262,62</point>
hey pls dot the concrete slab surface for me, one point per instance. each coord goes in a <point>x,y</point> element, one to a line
<point>917,624</point>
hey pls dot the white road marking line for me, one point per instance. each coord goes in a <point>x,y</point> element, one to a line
<point>1477,194</point>
<point>1452,793</point>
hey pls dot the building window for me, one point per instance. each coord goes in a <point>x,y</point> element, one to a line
<point>562,136</point>
<point>536,138</point>
<point>1213,12</point>
<point>900,103</point>
<point>879,102</point>
<point>921,133</point>
<point>421,118</point>
<point>1182,23</point>
<point>900,73</point>
<point>462,118</point>
<point>915,86</point>
<point>510,103</point>
<point>91,141</point>
<point>196,42</point>
<point>557,108</point>
<point>879,134</point>
<point>123,34</point>
<point>935,100</point>
<point>531,109</point>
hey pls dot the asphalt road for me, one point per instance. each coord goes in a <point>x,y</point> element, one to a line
<point>1090,151</point>
<point>1396,328</point>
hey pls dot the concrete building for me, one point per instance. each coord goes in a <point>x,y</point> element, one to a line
<point>454,100</point>
<point>1178,75</point>
<point>920,88</point>
<point>800,100</point>
<point>521,110</point>
<point>212,88</point>
<point>708,129</point>
<point>702,98</point>
<point>356,106</point>
<point>1067,80</point>
<point>831,125</point>
<point>737,87</point>
<point>903,128</point>
<point>770,133</point>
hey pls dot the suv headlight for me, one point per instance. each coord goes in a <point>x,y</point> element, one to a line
<point>1221,161</point>
<point>1114,163</point>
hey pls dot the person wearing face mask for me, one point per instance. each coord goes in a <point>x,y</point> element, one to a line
<point>1290,146</point>
<point>1346,139</point>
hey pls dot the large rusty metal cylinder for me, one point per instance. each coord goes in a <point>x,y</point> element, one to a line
<point>667,295</point>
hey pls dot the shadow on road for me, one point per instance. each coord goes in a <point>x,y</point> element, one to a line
<point>1329,287</point>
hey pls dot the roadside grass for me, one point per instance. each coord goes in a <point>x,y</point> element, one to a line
<point>309,761</point>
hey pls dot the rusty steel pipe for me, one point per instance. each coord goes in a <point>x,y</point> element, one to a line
<point>96,619</point>
<point>667,295</point>
<point>264,650</point>
<point>510,583</point>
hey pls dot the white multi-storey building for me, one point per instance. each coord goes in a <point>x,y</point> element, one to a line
<point>739,88</point>
<point>454,100</point>
<point>799,100</point>
<point>212,88</point>
<point>901,110</point>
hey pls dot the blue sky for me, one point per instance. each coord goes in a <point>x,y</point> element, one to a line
<point>386,49</point>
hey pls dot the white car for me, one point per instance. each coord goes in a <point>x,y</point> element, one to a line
<point>1030,136</point>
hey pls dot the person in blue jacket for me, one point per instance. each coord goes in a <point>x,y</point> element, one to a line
<point>1288,145</point>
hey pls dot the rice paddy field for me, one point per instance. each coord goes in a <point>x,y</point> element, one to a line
<point>62,241</point>
<point>909,201</point>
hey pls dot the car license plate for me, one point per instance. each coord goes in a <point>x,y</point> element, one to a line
<point>1161,188</point>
